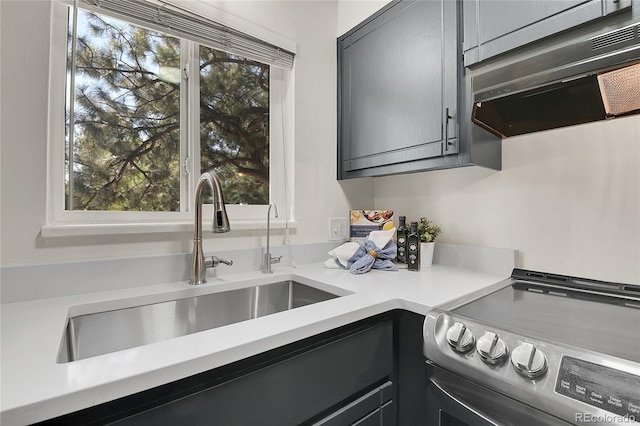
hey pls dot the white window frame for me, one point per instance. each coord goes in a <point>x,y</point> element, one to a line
<point>61,222</point>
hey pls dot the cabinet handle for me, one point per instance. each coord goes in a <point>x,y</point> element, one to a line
<point>446,129</point>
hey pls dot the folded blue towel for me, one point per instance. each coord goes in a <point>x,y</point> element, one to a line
<point>369,256</point>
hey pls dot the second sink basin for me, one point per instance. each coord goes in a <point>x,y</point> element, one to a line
<point>100,333</point>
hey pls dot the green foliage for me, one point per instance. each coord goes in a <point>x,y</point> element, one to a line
<point>427,230</point>
<point>127,120</point>
<point>234,124</point>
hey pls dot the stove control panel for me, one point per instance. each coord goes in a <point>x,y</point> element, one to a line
<point>599,386</point>
<point>571,383</point>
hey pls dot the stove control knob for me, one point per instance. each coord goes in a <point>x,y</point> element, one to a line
<point>460,338</point>
<point>492,349</point>
<point>529,361</point>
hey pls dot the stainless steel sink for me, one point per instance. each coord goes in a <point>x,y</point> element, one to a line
<point>100,333</point>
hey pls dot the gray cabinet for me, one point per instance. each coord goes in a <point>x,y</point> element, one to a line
<point>492,27</point>
<point>367,373</point>
<point>294,390</point>
<point>339,378</point>
<point>397,90</point>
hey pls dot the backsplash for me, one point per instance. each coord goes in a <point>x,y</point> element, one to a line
<point>566,199</point>
<point>21,283</point>
<point>45,280</point>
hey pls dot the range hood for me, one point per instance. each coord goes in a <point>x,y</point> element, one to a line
<point>591,79</point>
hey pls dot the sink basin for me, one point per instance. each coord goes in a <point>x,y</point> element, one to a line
<point>100,333</point>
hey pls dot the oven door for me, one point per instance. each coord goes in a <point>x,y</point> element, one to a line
<point>455,401</point>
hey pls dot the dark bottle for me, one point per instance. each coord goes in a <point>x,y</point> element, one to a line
<point>402,233</point>
<point>413,248</point>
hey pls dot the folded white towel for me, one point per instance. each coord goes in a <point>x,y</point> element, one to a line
<point>381,238</point>
<point>333,263</point>
<point>343,253</point>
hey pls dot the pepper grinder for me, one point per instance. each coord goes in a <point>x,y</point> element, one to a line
<point>401,257</point>
<point>413,248</point>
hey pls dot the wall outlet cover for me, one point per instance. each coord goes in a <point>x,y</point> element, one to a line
<point>338,229</point>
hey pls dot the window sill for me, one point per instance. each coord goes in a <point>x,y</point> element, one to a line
<point>72,230</point>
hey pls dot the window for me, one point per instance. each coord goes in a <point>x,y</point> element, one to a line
<point>122,116</point>
<point>150,106</point>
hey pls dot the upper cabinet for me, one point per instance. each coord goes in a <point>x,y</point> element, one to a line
<point>492,27</point>
<point>397,94</point>
<point>400,85</point>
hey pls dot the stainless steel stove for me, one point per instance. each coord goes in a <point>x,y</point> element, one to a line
<point>539,349</point>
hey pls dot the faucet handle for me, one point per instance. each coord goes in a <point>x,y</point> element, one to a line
<point>276,259</point>
<point>215,261</point>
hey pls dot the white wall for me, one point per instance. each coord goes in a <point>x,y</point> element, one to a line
<point>567,200</point>
<point>352,12</point>
<point>24,73</point>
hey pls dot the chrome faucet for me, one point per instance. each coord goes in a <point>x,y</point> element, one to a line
<point>220,224</point>
<point>268,260</point>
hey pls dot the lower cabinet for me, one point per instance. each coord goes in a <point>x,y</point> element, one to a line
<point>353,375</point>
<point>288,392</point>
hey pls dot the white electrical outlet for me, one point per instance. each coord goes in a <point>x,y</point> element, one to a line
<point>338,229</point>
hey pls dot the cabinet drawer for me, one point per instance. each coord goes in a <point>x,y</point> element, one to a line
<point>365,409</point>
<point>383,416</point>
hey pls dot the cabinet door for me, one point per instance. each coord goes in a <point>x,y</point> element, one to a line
<point>291,391</point>
<point>397,81</point>
<point>492,27</point>
<point>368,371</point>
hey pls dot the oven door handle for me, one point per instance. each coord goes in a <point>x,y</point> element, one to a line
<point>442,387</point>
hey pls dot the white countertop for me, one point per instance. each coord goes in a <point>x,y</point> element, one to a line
<point>35,387</point>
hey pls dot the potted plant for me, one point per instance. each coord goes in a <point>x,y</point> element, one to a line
<point>428,233</point>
